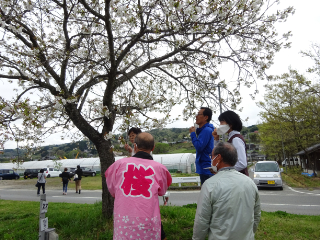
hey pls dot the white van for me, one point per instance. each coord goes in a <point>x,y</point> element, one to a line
<point>267,174</point>
<point>52,172</point>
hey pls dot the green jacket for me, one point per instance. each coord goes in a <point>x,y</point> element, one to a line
<point>228,207</point>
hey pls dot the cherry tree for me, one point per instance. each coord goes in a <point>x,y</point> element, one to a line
<point>93,65</point>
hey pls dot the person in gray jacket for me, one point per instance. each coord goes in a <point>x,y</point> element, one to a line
<point>229,202</point>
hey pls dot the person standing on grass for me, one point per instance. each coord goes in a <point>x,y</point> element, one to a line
<point>136,183</point>
<point>229,204</point>
<point>132,133</point>
<point>42,182</point>
<point>65,180</point>
<point>202,140</point>
<point>78,180</point>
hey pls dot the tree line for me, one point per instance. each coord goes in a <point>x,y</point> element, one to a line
<point>291,112</point>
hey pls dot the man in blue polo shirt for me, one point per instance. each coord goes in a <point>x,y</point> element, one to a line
<point>202,140</point>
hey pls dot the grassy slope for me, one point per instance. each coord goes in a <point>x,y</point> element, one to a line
<point>294,178</point>
<point>182,148</point>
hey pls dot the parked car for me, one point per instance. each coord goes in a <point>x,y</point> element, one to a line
<point>8,174</point>
<point>71,174</point>
<point>267,174</point>
<point>31,173</point>
<point>52,172</point>
<point>85,171</point>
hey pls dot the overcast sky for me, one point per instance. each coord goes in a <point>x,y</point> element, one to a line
<point>304,25</point>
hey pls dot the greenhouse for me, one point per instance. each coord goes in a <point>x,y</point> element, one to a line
<point>183,162</point>
<point>93,163</point>
<point>180,162</point>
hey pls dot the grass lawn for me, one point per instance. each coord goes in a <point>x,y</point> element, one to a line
<point>87,183</point>
<point>19,221</point>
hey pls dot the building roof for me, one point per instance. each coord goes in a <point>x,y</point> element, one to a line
<point>310,149</point>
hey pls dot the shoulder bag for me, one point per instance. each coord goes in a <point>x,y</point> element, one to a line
<point>75,177</point>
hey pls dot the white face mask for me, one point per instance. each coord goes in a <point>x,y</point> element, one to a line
<point>214,168</point>
<point>222,129</point>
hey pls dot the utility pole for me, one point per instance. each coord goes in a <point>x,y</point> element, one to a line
<point>249,142</point>
<point>218,85</point>
<point>284,159</point>
<point>219,98</point>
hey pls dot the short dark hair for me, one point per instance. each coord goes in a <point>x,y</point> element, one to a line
<point>78,166</point>
<point>65,169</point>
<point>134,130</point>
<point>145,143</point>
<point>207,112</point>
<point>41,170</point>
<point>227,151</point>
<point>232,119</point>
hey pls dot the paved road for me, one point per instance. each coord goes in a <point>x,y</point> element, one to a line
<point>298,201</point>
<point>290,200</point>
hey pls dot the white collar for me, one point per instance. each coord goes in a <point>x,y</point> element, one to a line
<point>233,132</point>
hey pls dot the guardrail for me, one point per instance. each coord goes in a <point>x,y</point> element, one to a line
<point>186,180</point>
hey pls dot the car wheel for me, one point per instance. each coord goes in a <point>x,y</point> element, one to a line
<point>17,177</point>
<point>48,176</point>
<point>0,178</point>
<point>281,188</point>
<point>93,174</point>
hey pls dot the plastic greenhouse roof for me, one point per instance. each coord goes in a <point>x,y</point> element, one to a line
<point>171,158</point>
<point>165,159</point>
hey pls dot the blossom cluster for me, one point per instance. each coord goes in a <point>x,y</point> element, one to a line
<point>130,68</point>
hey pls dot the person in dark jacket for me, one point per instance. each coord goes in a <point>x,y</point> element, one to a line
<point>65,180</point>
<point>78,180</point>
<point>202,140</point>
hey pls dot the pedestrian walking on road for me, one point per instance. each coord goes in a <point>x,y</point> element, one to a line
<point>42,182</point>
<point>65,180</point>
<point>78,179</point>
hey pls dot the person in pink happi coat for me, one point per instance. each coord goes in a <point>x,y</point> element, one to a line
<point>135,183</point>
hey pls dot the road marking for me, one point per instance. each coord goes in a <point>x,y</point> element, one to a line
<point>184,191</point>
<point>75,197</point>
<point>268,194</point>
<point>316,194</point>
<point>281,204</point>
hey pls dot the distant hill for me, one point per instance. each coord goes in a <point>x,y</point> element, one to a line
<point>85,149</point>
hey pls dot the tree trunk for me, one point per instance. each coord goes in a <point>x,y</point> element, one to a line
<point>106,159</point>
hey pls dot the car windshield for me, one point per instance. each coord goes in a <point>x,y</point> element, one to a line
<point>266,167</point>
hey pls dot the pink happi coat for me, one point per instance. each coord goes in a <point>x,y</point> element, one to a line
<point>136,183</point>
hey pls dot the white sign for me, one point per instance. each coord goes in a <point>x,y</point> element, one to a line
<point>44,207</point>
<point>43,224</point>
